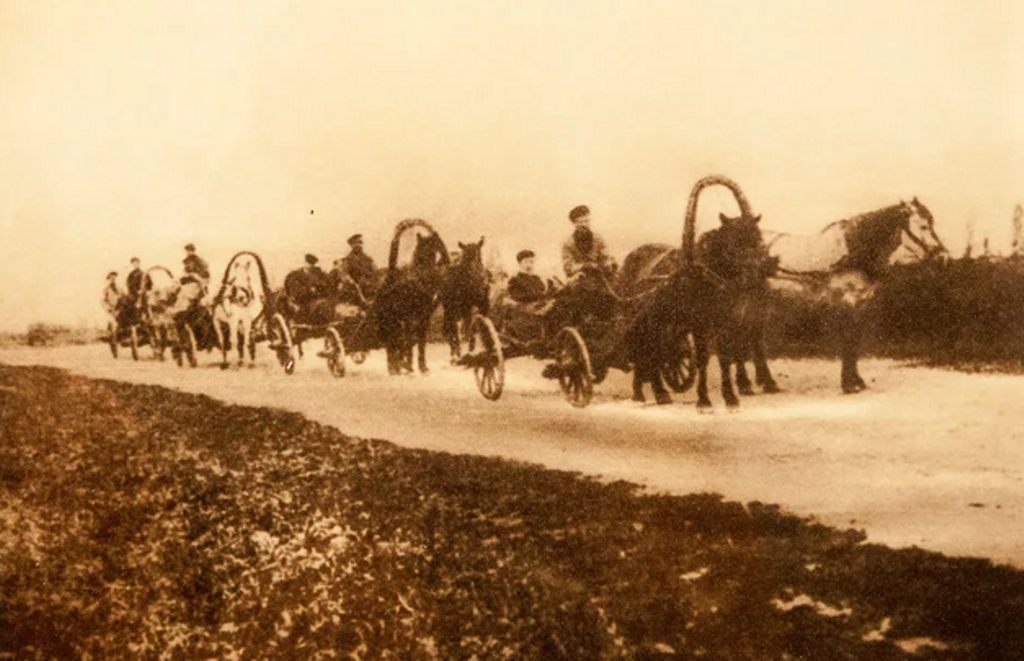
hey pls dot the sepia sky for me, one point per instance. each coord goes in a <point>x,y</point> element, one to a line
<point>131,127</point>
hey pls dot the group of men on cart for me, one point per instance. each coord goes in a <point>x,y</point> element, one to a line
<point>313,294</point>
<point>130,307</point>
<point>589,268</point>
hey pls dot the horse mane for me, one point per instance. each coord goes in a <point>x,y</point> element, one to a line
<point>401,228</point>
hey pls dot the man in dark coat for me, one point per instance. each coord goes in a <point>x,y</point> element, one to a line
<point>526,286</point>
<point>138,283</point>
<point>307,286</point>
<point>360,267</point>
<point>195,267</point>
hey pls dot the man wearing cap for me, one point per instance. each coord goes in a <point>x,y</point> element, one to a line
<point>306,285</point>
<point>584,249</point>
<point>195,267</point>
<point>359,266</point>
<point>138,283</point>
<point>526,286</point>
<point>590,269</point>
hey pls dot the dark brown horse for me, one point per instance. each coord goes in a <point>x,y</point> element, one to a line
<point>711,299</point>
<point>408,297</point>
<point>465,290</point>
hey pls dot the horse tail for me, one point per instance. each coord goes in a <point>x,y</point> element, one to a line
<point>400,230</point>
<point>690,223</point>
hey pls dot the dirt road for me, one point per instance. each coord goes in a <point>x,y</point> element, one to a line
<point>926,457</point>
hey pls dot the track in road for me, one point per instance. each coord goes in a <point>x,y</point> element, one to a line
<point>926,457</point>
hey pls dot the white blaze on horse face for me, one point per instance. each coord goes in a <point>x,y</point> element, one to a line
<point>811,253</point>
<point>919,239</point>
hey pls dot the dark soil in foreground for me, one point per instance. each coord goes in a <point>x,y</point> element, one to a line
<point>137,522</point>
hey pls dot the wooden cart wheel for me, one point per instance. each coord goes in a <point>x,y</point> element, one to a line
<point>489,362</point>
<point>679,371</point>
<point>281,341</point>
<point>334,352</point>
<point>574,374</point>
<point>112,338</point>
<point>135,342</point>
<point>359,357</point>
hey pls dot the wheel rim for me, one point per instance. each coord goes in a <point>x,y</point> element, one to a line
<point>334,350</point>
<point>575,377</point>
<point>490,375</point>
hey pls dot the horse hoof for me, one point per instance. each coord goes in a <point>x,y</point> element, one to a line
<point>705,408</point>
<point>746,390</point>
<point>771,389</point>
<point>663,398</point>
<point>223,366</point>
<point>732,408</point>
<point>639,398</point>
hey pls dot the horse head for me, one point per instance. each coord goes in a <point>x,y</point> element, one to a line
<point>240,290</point>
<point>472,255</point>
<point>737,252</point>
<point>430,251</point>
<point>918,237</point>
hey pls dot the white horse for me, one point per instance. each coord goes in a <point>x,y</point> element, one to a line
<point>841,266</point>
<point>238,305</point>
<point>162,298</point>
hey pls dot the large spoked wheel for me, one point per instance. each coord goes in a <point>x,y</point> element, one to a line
<point>679,371</point>
<point>112,338</point>
<point>135,342</point>
<point>489,361</point>
<point>334,352</point>
<point>281,341</point>
<point>574,374</point>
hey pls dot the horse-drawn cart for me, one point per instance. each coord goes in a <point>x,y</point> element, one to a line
<point>645,332</point>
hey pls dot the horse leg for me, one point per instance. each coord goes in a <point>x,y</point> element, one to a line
<point>849,350</point>
<point>421,345</point>
<point>661,395</point>
<point>250,341</point>
<point>762,375</point>
<point>638,385</point>
<point>451,334</point>
<point>743,383</point>
<point>701,363</point>
<point>728,393</point>
<point>236,331</point>
<point>222,341</point>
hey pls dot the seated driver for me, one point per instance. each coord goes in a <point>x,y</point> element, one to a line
<point>590,269</point>
<point>526,287</point>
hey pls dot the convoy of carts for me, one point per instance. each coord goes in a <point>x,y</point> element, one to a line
<point>350,331</point>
